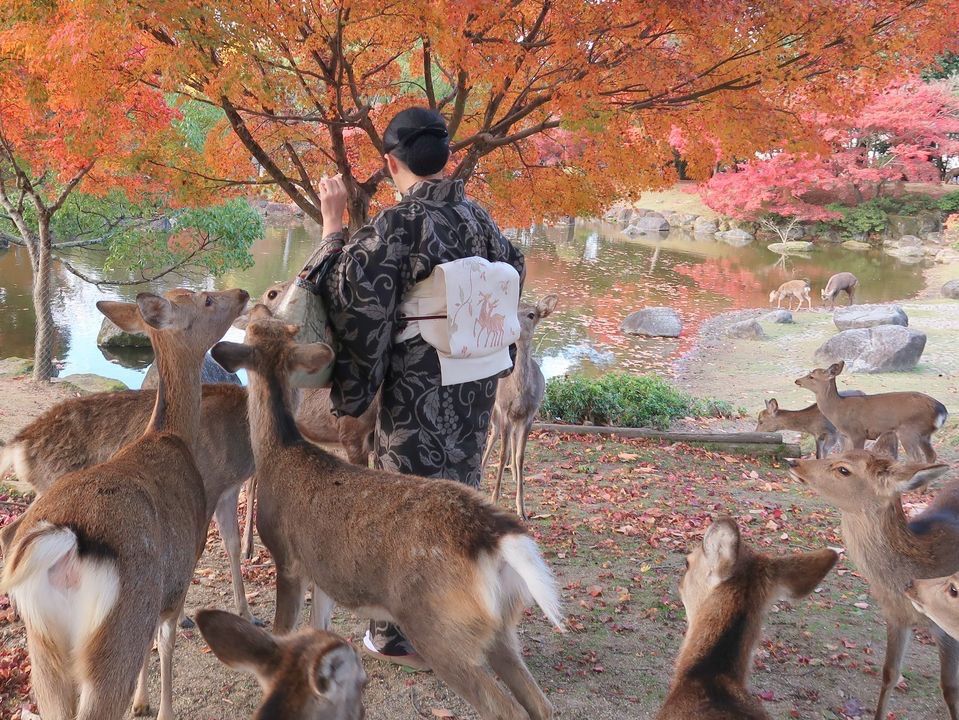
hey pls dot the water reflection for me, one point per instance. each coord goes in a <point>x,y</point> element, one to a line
<point>600,276</point>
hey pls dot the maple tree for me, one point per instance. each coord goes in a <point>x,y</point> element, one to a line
<point>306,88</point>
<point>77,129</point>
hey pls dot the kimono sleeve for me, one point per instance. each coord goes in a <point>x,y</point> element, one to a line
<point>361,287</point>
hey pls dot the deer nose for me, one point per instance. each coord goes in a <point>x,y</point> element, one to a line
<point>792,462</point>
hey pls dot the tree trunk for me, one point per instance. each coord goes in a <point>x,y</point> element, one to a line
<point>45,335</point>
<point>358,207</point>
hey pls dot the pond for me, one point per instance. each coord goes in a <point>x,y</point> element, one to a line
<point>600,275</point>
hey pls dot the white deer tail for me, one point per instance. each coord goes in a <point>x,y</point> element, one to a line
<point>522,554</point>
<point>60,595</point>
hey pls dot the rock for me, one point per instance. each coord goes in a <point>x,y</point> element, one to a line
<point>947,255</point>
<point>884,348</point>
<point>778,316</point>
<point>211,372</point>
<point>88,383</point>
<point>633,231</point>
<point>653,321</point>
<point>652,223</point>
<point>737,237</point>
<point>900,225</point>
<point>687,219</point>
<point>4,243</point>
<point>907,251</point>
<point>15,366</point>
<point>934,238</point>
<point>791,246</point>
<point>746,330</point>
<point>951,290</point>
<point>865,316</point>
<point>705,226</point>
<point>624,216</point>
<point>856,245</point>
<point>112,336</point>
<point>909,241</point>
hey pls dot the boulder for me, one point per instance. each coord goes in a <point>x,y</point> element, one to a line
<point>633,231</point>
<point>746,330</point>
<point>88,383</point>
<point>705,226</point>
<point>947,255</point>
<point>687,219</point>
<point>791,246</point>
<point>905,252</point>
<point>909,241</point>
<point>856,245</point>
<point>951,290</point>
<point>778,316</point>
<point>624,216</point>
<point>865,316</point>
<point>737,237</point>
<point>15,366</point>
<point>210,373</point>
<point>653,321</point>
<point>884,348</point>
<point>652,223</point>
<point>112,336</point>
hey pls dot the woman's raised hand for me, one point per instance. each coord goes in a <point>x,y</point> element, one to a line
<point>332,203</point>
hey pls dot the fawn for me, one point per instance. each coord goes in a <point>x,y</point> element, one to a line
<point>798,289</point>
<point>890,550</point>
<point>453,571</point>
<point>727,589</point>
<point>102,561</point>
<point>840,282</point>
<point>913,416</point>
<point>808,420</point>
<point>518,397</point>
<point>310,675</point>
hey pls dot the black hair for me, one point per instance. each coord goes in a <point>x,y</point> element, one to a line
<point>418,137</point>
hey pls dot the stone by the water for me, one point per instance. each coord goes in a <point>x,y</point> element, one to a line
<point>856,245</point>
<point>951,290</point>
<point>778,316</point>
<point>654,322</point>
<point>111,335</point>
<point>791,246</point>
<point>88,383</point>
<point>884,348</point>
<point>15,366</point>
<point>746,330</point>
<point>864,316</point>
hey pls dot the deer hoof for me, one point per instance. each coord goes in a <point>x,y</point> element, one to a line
<point>186,623</point>
<point>141,710</point>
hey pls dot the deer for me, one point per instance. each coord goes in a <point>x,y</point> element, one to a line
<point>938,600</point>
<point>913,416</point>
<point>453,571</point>
<point>102,561</point>
<point>798,289</point>
<point>889,550</point>
<point>518,398</point>
<point>727,589</point>
<point>840,282</point>
<point>309,675</point>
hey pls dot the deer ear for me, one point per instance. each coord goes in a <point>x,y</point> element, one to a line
<point>157,312</point>
<point>260,312</point>
<point>125,316</point>
<point>546,306</point>
<point>336,672</point>
<point>772,405</point>
<point>836,368</point>
<point>232,356</point>
<point>721,545</point>
<point>238,643</point>
<point>800,574</point>
<point>311,357</point>
<point>912,476</point>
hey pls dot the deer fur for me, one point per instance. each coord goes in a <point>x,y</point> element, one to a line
<point>727,590</point>
<point>450,569</point>
<point>890,550</point>
<point>809,420</point>
<point>518,398</point>
<point>102,561</point>
<point>840,282</point>
<point>309,675</point>
<point>798,289</point>
<point>913,416</point>
<point>938,600</point>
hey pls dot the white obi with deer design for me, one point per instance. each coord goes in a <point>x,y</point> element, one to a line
<point>466,309</point>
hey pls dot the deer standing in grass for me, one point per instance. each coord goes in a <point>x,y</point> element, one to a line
<point>518,398</point>
<point>840,282</point>
<point>310,675</point>
<point>798,289</point>
<point>913,416</point>
<point>889,550</point>
<point>451,570</point>
<point>727,590</point>
<point>102,561</point>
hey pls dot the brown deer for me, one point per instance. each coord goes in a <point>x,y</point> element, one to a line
<point>811,421</point>
<point>840,282</point>
<point>310,675</point>
<point>451,570</point>
<point>727,590</point>
<point>798,289</point>
<point>890,550</point>
<point>518,398</point>
<point>913,416</point>
<point>938,600</point>
<point>102,561</point>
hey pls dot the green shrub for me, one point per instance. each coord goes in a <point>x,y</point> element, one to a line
<point>869,218</point>
<point>623,400</point>
<point>949,203</point>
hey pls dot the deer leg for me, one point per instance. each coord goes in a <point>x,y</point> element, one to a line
<point>507,662</point>
<point>141,698</point>
<point>112,661</point>
<point>948,670</point>
<point>290,589</point>
<point>518,443</point>
<point>917,447</point>
<point>494,435</point>
<point>501,465</point>
<point>322,609</point>
<point>225,516</point>
<point>897,638</point>
<point>52,678</point>
<point>166,639</point>
<point>248,520</point>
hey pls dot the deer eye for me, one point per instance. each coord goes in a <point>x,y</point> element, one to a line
<point>687,563</point>
<point>844,471</point>
<point>209,300</point>
<point>271,295</point>
<point>953,592</point>
<point>530,315</point>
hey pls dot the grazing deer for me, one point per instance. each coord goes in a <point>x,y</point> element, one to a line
<point>451,570</point>
<point>798,289</point>
<point>727,590</point>
<point>102,561</point>
<point>840,282</point>
<point>311,675</point>
<point>913,416</point>
<point>518,398</point>
<point>890,550</point>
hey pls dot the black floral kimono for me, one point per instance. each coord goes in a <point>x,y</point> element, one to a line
<point>423,428</point>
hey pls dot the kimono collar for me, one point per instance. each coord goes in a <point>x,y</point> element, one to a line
<point>438,191</point>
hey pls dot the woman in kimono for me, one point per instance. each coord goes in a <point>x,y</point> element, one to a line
<point>423,427</point>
